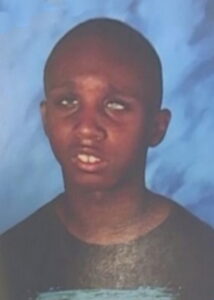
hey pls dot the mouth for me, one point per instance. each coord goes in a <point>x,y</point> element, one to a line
<point>89,162</point>
<point>88,159</point>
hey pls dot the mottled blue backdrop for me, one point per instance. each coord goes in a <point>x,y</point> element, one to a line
<point>183,34</point>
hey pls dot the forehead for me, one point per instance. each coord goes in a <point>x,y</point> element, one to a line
<point>121,68</point>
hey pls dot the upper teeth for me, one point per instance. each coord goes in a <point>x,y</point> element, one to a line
<point>87,158</point>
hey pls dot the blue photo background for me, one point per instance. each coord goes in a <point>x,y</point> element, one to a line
<point>183,34</point>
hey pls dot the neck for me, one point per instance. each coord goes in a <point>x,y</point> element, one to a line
<point>105,216</point>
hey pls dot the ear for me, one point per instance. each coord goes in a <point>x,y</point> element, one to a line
<point>159,128</point>
<point>43,110</point>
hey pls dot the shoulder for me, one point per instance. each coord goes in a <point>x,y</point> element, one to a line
<point>23,248</point>
<point>184,237</point>
<point>184,251</point>
<point>184,223</point>
<point>195,254</point>
<point>191,227</point>
<point>28,232</point>
<point>191,241</point>
<point>186,230</point>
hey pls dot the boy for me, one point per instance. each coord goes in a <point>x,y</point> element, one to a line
<point>102,112</point>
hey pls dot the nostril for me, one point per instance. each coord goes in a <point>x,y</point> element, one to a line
<point>90,132</point>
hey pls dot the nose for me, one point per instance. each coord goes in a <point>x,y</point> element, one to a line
<point>89,128</point>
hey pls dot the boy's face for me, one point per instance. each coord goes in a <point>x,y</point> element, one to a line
<point>97,115</point>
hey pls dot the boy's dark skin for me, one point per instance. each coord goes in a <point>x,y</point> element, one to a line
<point>102,112</point>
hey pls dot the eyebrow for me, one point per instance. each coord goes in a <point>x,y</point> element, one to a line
<point>127,94</point>
<point>63,86</point>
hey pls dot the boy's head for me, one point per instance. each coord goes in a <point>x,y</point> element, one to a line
<point>96,37</point>
<point>103,85</point>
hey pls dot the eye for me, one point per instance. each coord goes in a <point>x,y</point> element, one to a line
<point>116,104</point>
<point>67,102</point>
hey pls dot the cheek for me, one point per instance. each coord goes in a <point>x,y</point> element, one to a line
<point>132,136</point>
<point>129,150</point>
<point>59,134</point>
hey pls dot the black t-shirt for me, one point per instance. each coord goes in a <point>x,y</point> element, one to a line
<point>39,255</point>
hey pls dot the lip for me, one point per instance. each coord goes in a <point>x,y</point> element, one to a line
<point>88,160</point>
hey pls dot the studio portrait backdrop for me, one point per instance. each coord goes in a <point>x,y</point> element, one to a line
<point>181,31</point>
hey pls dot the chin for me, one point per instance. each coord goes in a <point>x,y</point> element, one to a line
<point>92,182</point>
<point>96,181</point>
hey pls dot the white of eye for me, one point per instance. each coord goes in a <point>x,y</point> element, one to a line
<point>69,102</point>
<point>115,105</point>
